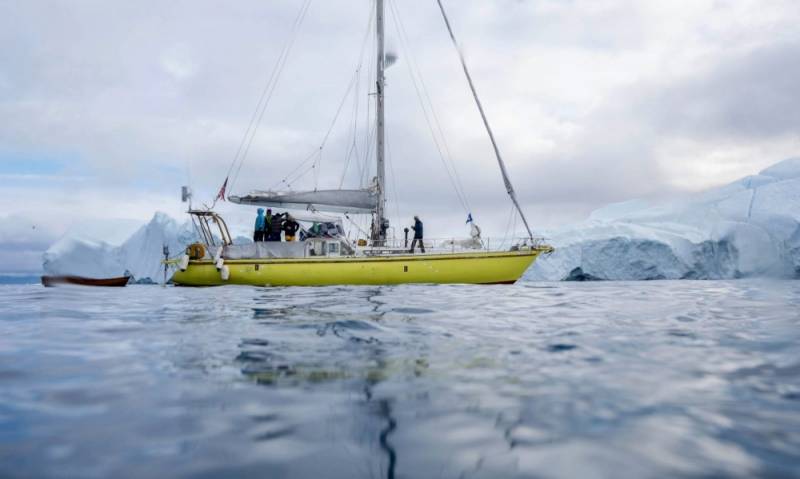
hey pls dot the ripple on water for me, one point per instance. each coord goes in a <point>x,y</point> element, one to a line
<point>654,379</point>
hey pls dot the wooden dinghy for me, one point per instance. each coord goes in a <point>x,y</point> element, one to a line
<point>80,280</point>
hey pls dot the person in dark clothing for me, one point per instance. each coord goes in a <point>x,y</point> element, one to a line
<point>267,223</point>
<point>290,227</point>
<point>275,227</point>
<point>417,236</point>
<point>258,229</point>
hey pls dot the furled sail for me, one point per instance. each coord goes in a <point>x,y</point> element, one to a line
<point>342,201</point>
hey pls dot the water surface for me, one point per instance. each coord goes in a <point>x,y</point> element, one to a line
<point>613,379</point>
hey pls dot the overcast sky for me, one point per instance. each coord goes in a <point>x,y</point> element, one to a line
<point>108,107</point>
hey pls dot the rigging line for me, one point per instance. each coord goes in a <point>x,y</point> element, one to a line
<point>300,165</point>
<point>352,148</point>
<point>508,226</point>
<point>354,81</point>
<point>317,155</point>
<point>428,121</point>
<point>271,91</point>
<point>355,224</point>
<point>394,178</point>
<point>451,176</point>
<point>263,95</point>
<point>267,86</point>
<point>365,172</point>
<point>338,112</point>
<point>506,179</point>
<point>514,228</point>
<point>413,62</point>
<point>281,65</point>
<point>371,66</point>
<point>357,96</point>
<point>351,133</point>
<point>303,173</point>
<point>258,104</point>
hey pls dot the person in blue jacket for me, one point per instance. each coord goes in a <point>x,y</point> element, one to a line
<point>258,234</point>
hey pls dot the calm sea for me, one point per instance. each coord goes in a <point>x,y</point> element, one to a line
<point>613,379</point>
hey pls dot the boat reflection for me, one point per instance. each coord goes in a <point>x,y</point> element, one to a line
<point>319,349</point>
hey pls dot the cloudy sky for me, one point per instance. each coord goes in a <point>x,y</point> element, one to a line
<point>108,107</point>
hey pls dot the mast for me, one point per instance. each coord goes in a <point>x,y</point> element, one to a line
<point>377,233</point>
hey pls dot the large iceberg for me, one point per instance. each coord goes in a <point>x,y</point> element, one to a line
<point>748,228</point>
<point>139,255</point>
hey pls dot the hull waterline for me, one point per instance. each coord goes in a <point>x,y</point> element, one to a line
<point>466,268</point>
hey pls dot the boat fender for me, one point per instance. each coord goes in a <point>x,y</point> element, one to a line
<point>218,258</point>
<point>219,264</point>
<point>184,262</point>
<point>225,273</point>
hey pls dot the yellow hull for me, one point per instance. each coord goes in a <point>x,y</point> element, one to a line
<point>466,268</point>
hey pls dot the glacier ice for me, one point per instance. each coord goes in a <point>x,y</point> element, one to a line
<point>140,254</point>
<point>750,227</point>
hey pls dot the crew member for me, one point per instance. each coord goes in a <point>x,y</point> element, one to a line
<point>267,223</point>
<point>290,227</point>
<point>258,229</point>
<point>275,227</point>
<point>417,235</point>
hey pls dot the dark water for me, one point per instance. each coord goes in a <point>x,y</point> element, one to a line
<point>649,379</point>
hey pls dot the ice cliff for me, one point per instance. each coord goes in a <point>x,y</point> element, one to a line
<point>140,254</point>
<point>750,227</point>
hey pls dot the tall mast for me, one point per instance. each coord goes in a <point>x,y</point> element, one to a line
<point>377,233</point>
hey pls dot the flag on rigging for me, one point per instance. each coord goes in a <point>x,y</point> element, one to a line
<point>469,217</point>
<point>221,194</point>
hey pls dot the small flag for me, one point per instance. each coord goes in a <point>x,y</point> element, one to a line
<point>221,194</point>
<point>469,217</point>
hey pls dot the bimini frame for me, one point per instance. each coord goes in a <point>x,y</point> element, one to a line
<point>203,221</point>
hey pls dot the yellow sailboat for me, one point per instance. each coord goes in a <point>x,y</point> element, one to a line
<point>325,256</point>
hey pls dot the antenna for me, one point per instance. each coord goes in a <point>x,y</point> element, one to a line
<point>165,250</point>
<point>186,195</point>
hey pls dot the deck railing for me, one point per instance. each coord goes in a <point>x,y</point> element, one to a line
<point>439,245</point>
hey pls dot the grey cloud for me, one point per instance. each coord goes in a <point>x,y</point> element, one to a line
<point>752,95</point>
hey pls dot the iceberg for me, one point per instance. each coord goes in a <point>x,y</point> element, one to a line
<point>140,255</point>
<point>749,228</point>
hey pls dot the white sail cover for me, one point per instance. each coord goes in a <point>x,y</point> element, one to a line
<point>268,249</point>
<point>342,201</point>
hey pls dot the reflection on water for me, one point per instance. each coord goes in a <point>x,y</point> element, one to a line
<point>534,380</point>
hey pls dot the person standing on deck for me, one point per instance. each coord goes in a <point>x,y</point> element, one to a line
<point>267,224</point>
<point>258,229</point>
<point>290,228</point>
<point>417,236</point>
<point>275,227</point>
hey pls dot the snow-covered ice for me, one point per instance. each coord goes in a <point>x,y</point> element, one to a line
<point>140,254</point>
<point>750,227</point>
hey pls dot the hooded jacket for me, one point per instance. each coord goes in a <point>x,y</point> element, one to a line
<point>260,220</point>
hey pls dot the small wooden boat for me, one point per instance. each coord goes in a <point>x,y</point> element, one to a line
<point>80,280</point>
